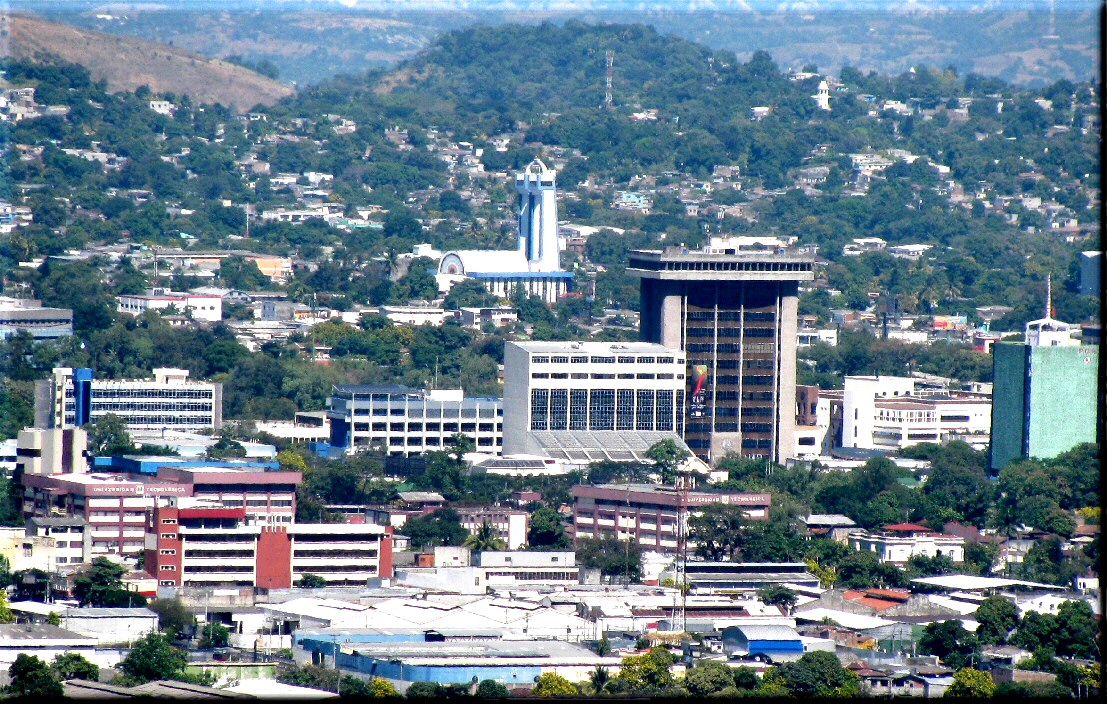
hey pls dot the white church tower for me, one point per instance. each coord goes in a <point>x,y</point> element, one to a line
<point>538,217</point>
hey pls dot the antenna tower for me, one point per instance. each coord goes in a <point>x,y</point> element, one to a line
<point>683,482</point>
<point>607,99</point>
<point>1052,22</point>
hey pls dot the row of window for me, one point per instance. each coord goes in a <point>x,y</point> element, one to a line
<point>620,359</point>
<point>112,393</point>
<point>429,427</point>
<point>584,375</point>
<point>750,315</point>
<point>604,409</point>
<point>132,406</point>
<point>418,412</point>
<point>730,333</point>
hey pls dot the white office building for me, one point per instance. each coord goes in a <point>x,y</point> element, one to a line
<point>404,421</point>
<point>891,413</point>
<point>570,400</point>
<point>207,307</point>
<point>72,397</point>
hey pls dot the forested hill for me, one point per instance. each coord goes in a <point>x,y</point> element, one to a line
<point>481,81</point>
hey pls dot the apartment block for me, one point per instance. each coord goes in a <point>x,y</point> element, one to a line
<point>206,307</point>
<point>198,543</point>
<point>891,413</point>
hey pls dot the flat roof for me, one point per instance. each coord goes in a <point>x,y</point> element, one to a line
<point>967,582</point>
<point>592,347</point>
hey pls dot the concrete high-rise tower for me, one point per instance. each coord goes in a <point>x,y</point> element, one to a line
<point>538,216</point>
<point>734,315</point>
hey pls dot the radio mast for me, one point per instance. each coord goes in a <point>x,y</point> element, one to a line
<point>607,97</point>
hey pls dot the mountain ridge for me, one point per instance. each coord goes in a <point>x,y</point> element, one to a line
<point>126,63</point>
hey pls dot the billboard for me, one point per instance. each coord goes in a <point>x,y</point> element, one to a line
<point>698,398</point>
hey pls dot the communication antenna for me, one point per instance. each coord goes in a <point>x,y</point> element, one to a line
<point>607,98</point>
<point>1049,296</point>
<point>1052,22</point>
<point>683,483</point>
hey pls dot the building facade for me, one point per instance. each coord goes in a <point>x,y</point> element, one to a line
<point>115,506</point>
<point>23,315</point>
<point>510,525</point>
<point>900,542</point>
<point>648,514</point>
<point>204,307</point>
<point>73,397</point>
<point>891,413</point>
<point>52,451</point>
<point>200,544</point>
<point>1045,394</point>
<point>733,314</point>
<point>534,265</point>
<point>589,386</point>
<point>403,421</point>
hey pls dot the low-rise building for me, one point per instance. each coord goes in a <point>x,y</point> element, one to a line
<point>26,315</point>
<point>115,506</point>
<point>510,525</point>
<point>478,318</point>
<point>403,421</point>
<point>900,542</point>
<point>52,451</point>
<point>648,514</point>
<point>204,307</point>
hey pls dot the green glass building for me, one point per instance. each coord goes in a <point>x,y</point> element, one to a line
<point>1044,400</point>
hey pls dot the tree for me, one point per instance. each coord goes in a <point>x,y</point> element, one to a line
<point>440,528</point>
<point>154,658</point>
<point>667,456</point>
<point>969,682</point>
<point>708,678</point>
<point>311,581</point>
<point>818,674</point>
<point>653,670</point>
<point>599,679</point>
<point>108,436</point>
<point>174,618</point>
<point>380,688</point>
<point>101,585</point>
<point>215,635</point>
<point>611,556</point>
<point>1076,630</point>
<point>777,595</point>
<point>950,642</point>
<point>491,689</point>
<point>546,531</point>
<point>31,677</point>
<point>71,666</point>
<point>6,613</point>
<point>1036,631</point>
<point>486,538</point>
<point>553,685</point>
<point>717,531</point>
<point>997,618</point>
<point>422,690</point>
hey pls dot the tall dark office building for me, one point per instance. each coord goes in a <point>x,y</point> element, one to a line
<point>734,315</point>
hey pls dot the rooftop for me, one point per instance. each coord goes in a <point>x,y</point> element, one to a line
<point>607,348</point>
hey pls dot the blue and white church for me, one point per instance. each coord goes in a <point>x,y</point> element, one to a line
<point>534,263</point>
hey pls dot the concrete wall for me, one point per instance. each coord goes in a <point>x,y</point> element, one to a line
<point>110,631</point>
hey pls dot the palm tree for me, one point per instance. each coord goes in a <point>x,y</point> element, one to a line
<point>486,538</point>
<point>599,679</point>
